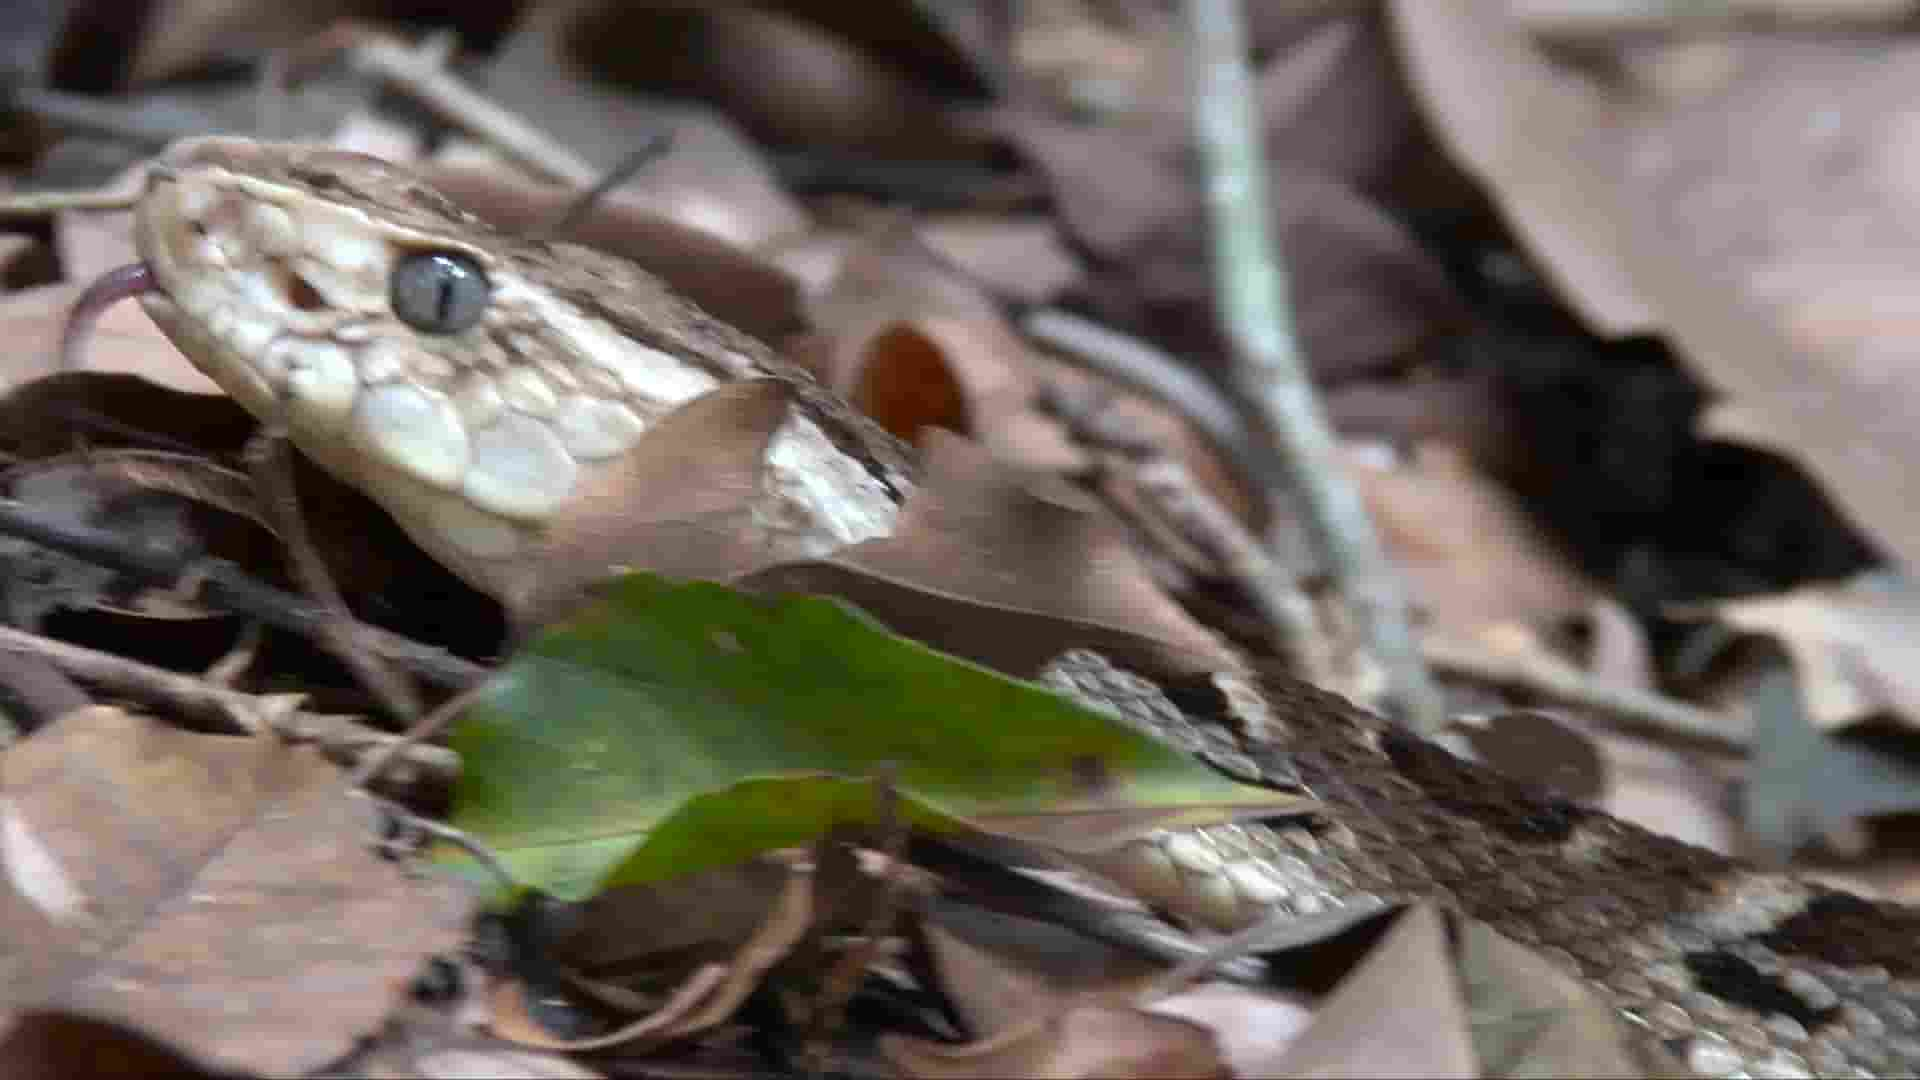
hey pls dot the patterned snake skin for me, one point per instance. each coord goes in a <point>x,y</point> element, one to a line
<point>1741,972</point>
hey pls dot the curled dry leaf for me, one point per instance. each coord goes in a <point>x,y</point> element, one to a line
<point>700,468</point>
<point>1363,289</point>
<point>1855,645</point>
<point>711,994</point>
<point>219,893</point>
<point>1779,266</point>
<point>1007,568</point>
<point>915,345</point>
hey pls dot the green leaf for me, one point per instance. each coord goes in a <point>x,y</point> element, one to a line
<point>724,724</point>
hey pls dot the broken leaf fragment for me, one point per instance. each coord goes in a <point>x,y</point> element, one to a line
<point>674,728</point>
<point>218,894</point>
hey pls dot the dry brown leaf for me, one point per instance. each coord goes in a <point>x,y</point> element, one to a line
<point>701,468</point>
<point>789,82</point>
<point>1334,102</point>
<point>1778,266</point>
<point>711,179</point>
<point>626,927</point>
<point>219,893</point>
<point>1520,126</point>
<point>915,345</point>
<point>1024,259</point>
<point>1530,1018</point>
<point>1399,1013</point>
<point>1363,289</point>
<point>1535,748</point>
<point>1855,645</point>
<point>711,994</point>
<point>888,273</point>
<point>1008,568</point>
<point>1474,560</point>
<point>1000,971</point>
<point>1080,1041</point>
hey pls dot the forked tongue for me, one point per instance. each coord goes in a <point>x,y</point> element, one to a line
<point>109,289</point>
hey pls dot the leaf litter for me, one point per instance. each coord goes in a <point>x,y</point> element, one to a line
<point>1771,267</point>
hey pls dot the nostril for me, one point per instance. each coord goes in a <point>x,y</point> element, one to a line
<point>298,291</point>
<point>302,295</point>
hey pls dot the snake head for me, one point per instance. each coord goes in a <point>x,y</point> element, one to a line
<point>476,384</point>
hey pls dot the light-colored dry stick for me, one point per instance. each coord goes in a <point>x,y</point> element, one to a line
<point>458,103</point>
<point>1567,685</point>
<point>241,711</point>
<point>829,1009</point>
<point>1268,373</point>
<point>1275,594</point>
<point>41,203</point>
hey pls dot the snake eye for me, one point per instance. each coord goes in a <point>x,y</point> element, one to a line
<point>439,292</point>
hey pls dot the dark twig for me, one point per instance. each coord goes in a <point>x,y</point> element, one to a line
<point>829,1011</point>
<point>1268,374</point>
<point>227,585</point>
<point>1276,594</point>
<point>994,885</point>
<point>651,149</point>
<point>1144,369</point>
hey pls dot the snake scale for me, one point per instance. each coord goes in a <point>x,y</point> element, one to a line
<point>476,385</point>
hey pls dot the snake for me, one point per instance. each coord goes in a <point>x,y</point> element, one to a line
<point>479,386</point>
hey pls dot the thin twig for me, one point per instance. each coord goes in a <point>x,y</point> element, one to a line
<point>240,712</point>
<point>229,586</point>
<point>1268,374</point>
<point>651,149</point>
<point>844,978</point>
<point>427,727</point>
<point>42,203</point>
<point>1144,369</point>
<point>271,459</point>
<point>1567,685</point>
<point>481,853</point>
<point>455,101</point>
<point>1275,594</point>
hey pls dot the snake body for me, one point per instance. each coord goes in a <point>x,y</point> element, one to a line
<point>274,269</point>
